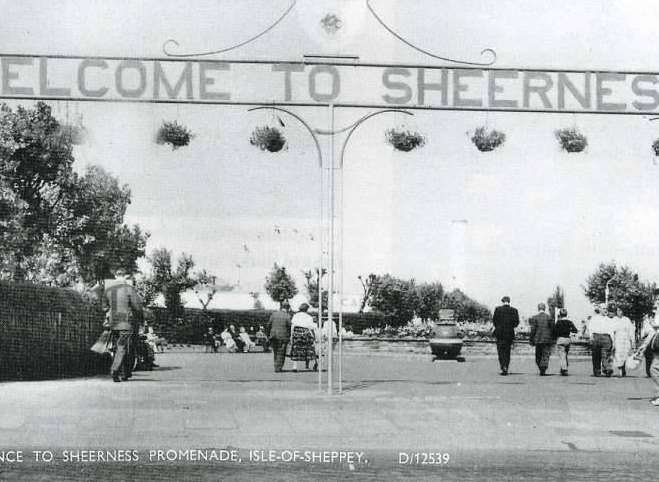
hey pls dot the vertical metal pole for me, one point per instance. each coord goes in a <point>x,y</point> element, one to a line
<point>341,279</point>
<point>330,298</point>
<point>319,342</point>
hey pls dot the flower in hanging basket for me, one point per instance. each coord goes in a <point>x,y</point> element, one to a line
<point>571,139</point>
<point>174,134</point>
<point>655,147</point>
<point>268,138</point>
<point>76,134</point>
<point>487,141</point>
<point>404,139</point>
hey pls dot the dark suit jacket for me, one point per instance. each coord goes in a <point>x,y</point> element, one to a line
<point>505,319</point>
<point>124,306</point>
<point>542,329</point>
<point>280,326</point>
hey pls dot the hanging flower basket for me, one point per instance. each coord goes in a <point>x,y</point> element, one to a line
<point>76,134</point>
<point>655,147</point>
<point>268,138</point>
<point>486,141</point>
<point>174,134</point>
<point>571,139</point>
<point>404,139</point>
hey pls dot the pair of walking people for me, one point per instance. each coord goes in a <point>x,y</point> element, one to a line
<point>300,331</point>
<point>612,341</point>
<point>545,333</point>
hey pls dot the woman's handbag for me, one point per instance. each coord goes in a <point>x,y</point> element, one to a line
<point>632,362</point>
<point>102,345</point>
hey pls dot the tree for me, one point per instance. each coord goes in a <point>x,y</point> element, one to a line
<point>36,165</point>
<point>636,298</point>
<point>279,285</point>
<point>368,285</point>
<point>311,285</point>
<point>206,287</point>
<point>430,297</point>
<point>257,305</point>
<point>395,297</point>
<point>94,228</point>
<point>466,309</point>
<point>59,228</point>
<point>169,282</point>
<point>556,300</point>
<point>12,235</point>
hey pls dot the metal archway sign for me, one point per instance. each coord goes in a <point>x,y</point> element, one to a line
<point>334,82</point>
<point>325,81</point>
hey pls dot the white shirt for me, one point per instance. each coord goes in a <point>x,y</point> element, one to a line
<point>624,328</point>
<point>303,319</point>
<point>602,325</point>
<point>326,329</point>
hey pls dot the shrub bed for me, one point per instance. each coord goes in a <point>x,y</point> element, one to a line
<point>47,333</point>
<point>190,327</point>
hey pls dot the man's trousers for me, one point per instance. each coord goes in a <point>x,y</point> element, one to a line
<point>601,348</point>
<point>124,355</point>
<point>279,352</point>
<point>563,348</point>
<point>542,355</point>
<point>503,350</point>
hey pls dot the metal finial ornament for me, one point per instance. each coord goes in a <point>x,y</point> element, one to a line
<point>172,42</point>
<point>331,23</point>
<point>389,29</point>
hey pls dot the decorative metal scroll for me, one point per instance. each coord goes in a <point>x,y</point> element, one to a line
<point>426,52</point>
<point>227,49</point>
<point>335,23</point>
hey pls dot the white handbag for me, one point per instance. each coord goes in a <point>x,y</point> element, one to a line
<point>632,363</point>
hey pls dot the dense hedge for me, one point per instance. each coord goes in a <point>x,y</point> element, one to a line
<point>47,332</point>
<point>190,328</point>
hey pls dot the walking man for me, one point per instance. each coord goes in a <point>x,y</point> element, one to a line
<point>124,311</point>
<point>601,342</point>
<point>505,320</point>
<point>542,337</point>
<point>280,333</point>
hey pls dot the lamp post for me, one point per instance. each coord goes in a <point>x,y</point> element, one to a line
<point>331,193</point>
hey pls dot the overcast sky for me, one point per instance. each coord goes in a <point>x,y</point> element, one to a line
<point>535,216</point>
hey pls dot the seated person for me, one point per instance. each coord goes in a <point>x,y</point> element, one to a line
<point>246,339</point>
<point>240,344</point>
<point>262,339</point>
<point>227,339</point>
<point>144,351</point>
<point>210,341</point>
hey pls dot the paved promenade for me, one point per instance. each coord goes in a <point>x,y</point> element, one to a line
<point>390,404</point>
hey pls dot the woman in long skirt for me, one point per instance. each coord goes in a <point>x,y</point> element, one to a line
<point>303,338</point>
<point>623,341</point>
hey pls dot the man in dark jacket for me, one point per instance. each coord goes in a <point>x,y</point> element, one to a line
<point>280,334</point>
<point>124,312</point>
<point>505,320</point>
<point>542,336</point>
